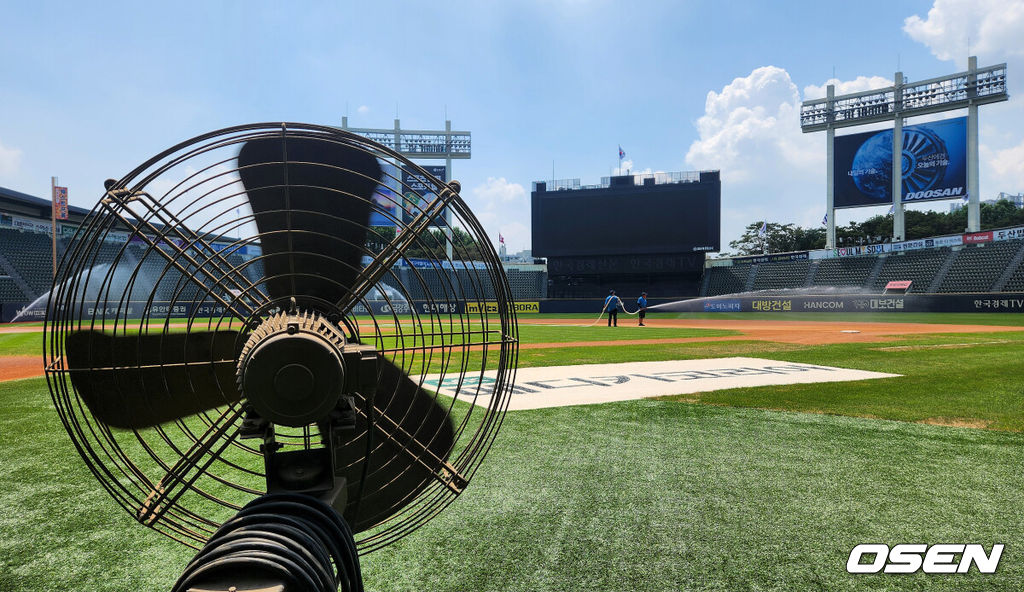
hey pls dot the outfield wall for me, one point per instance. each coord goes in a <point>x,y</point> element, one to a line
<point>894,303</point>
<point>183,310</point>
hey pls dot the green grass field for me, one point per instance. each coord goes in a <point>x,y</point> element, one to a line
<point>747,489</point>
<point>21,344</point>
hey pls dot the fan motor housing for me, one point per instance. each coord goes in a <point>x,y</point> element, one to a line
<point>292,369</point>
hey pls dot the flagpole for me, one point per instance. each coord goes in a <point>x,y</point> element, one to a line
<point>53,220</point>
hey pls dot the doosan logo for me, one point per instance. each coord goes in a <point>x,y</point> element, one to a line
<point>934,559</point>
<point>930,193</point>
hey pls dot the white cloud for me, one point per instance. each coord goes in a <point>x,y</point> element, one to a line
<point>10,160</point>
<point>771,170</point>
<point>845,87</point>
<point>1007,169</point>
<point>992,28</point>
<point>363,110</point>
<point>751,131</point>
<point>499,190</point>
<point>497,203</point>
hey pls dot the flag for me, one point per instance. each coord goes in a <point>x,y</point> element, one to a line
<point>764,228</point>
<point>622,153</point>
<point>60,203</point>
<point>501,239</point>
<point>824,219</point>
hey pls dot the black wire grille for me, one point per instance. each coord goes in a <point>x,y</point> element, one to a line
<point>175,247</point>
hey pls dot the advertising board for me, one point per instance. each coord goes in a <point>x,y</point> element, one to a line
<point>24,311</point>
<point>894,303</point>
<point>492,307</point>
<point>418,191</point>
<point>772,258</point>
<point>386,204</point>
<point>934,164</point>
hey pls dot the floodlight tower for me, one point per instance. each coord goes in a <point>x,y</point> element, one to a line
<point>445,144</point>
<point>976,86</point>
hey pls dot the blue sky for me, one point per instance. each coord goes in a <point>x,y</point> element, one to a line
<point>88,93</point>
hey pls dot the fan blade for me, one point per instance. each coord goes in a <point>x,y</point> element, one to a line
<point>312,202</point>
<point>411,443</point>
<point>137,381</point>
<point>312,213</point>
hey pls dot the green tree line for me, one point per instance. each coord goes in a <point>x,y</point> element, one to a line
<point>780,238</point>
<point>431,244</point>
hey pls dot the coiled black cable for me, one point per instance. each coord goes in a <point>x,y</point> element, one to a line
<point>287,539</point>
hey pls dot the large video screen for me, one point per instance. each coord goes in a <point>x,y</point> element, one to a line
<point>419,192</point>
<point>934,164</point>
<point>670,218</point>
<point>404,193</point>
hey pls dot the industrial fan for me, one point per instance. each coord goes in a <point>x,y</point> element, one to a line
<point>244,341</point>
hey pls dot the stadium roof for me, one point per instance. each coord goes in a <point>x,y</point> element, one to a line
<point>16,202</point>
<point>22,203</point>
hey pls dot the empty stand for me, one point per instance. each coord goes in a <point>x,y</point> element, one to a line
<point>1016,281</point>
<point>727,280</point>
<point>781,275</point>
<point>976,268</point>
<point>9,291</point>
<point>29,254</point>
<point>844,271</point>
<point>919,267</point>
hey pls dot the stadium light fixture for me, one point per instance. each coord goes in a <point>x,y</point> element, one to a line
<point>963,90</point>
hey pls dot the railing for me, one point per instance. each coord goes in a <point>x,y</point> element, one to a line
<point>984,85</point>
<point>660,178</point>
<point>559,184</point>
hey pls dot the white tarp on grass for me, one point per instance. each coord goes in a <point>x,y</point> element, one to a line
<point>557,386</point>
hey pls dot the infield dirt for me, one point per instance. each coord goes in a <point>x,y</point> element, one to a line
<point>799,332</point>
<point>794,332</point>
<point>17,367</point>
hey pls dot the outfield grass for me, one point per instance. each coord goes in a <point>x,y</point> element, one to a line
<point>970,380</point>
<point>21,344</point>
<point>563,334</point>
<point>29,344</point>
<point>641,495</point>
<point>729,494</point>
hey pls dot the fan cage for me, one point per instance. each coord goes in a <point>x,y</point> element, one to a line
<point>172,246</point>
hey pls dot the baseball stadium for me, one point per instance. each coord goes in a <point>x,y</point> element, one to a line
<point>747,427</point>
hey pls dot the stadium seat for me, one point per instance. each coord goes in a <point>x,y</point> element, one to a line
<point>781,275</point>
<point>976,268</point>
<point>727,280</point>
<point>844,271</point>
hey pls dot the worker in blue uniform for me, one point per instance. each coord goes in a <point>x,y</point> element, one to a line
<point>611,306</point>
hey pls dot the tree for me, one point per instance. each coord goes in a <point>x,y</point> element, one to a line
<point>778,238</point>
<point>782,238</point>
<point>923,224</point>
<point>430,244</point>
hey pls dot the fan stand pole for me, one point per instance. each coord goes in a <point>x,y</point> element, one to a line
<point>277,543</point>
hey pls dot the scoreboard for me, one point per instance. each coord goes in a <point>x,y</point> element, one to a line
<point>626,218</point>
